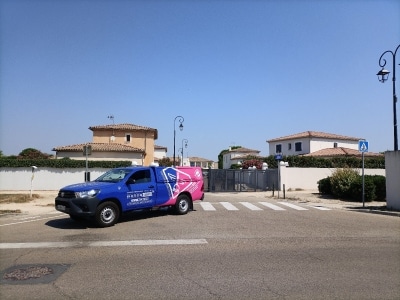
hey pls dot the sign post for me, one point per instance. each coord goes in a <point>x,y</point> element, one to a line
<point>87,150</point>
<point>363,147</point>
<point>278,158</point>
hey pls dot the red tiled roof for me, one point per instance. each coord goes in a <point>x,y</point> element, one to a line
<point>99,147</point>
<point>198,159</point>
<point>341,151</point>
<point>245,156</point>
<point>160,147</point>
<point>124,127</point>
<point>315,134</point>
<point>243,150</point>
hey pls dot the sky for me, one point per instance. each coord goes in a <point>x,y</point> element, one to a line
<point>240,72</point>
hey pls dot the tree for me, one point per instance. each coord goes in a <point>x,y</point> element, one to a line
<point>164,162</point>
<point>252,162</point>
<point>30,153</point>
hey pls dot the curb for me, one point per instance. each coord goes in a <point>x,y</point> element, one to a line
<point>377,212</point>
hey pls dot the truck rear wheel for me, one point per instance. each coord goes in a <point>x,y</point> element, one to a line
<point>182,205</point>
<point>107,214</point>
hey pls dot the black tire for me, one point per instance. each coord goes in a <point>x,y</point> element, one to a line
<point>182,205</point>
<point>107,214</point>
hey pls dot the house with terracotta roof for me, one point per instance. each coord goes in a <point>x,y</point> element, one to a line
<point>117,142</point>
<point>237,155</point>
<point>310,142</point>
<point>204,163</point>
<point>159,152</point>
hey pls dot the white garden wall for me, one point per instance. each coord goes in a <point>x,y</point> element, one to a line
<point>54,179</point>
<point>307,178</point>
<point>392,165</point>
<point>44,178</point>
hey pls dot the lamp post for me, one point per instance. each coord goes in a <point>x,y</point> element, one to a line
<point>180,120</point>
<point>383,75</point>
<point>180,150</point>
<point>186,143</point>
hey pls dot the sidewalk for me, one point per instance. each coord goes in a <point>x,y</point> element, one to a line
<point>314,198</point>
<point>45,204</point>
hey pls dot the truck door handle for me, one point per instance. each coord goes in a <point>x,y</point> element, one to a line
<point>151,186</point>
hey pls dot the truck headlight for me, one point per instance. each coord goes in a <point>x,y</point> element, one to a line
<point>87,194</point>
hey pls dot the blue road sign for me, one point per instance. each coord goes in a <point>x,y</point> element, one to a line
<point>278,157</point>
<point>363,146</point>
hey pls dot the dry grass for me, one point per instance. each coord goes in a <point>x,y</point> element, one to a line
<point>17,198</point>
<point>9,211</point>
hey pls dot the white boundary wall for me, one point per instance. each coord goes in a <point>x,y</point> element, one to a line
<point>392,165</point>
<point>54,179</point>
<point>307,178</point>
<point>44,179</point>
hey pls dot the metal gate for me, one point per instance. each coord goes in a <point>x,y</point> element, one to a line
<point>249,180</point>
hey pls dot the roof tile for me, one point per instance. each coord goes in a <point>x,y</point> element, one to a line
<point>124,126</point>
<point>315,134</point>
<point>243,150</point>
<point>99,147</point>
<point>341,151</point>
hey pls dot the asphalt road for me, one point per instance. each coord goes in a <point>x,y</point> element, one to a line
<point>227,248</point>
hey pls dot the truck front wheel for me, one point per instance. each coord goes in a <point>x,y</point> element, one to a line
<point>107,214</point>
<point>182,205</point>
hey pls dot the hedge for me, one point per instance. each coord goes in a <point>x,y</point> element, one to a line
<point>62,163</point>
<point>374,187</point>
<point>337,162</point>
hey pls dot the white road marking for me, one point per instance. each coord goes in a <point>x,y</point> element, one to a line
<point>250,206</point>
<point>207,206</point>
<point>33,220</point>
<point>27,218</point>
<point>320,207</point>
<point>102,244</point>
<point>293,206</point>
<point>229,206</point>
<point>272,206</point>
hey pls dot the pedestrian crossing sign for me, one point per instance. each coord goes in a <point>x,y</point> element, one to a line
<point>363,146</point>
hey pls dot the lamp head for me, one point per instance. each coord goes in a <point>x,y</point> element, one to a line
<point>383,75</point>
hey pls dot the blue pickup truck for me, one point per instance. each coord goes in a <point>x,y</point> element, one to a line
<point>125,189</point>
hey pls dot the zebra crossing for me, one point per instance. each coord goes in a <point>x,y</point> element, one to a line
<point>256,206</point>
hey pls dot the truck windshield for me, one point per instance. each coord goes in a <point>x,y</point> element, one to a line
<point>115,175</point>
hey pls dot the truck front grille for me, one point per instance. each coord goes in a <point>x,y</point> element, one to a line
<point>66,194</point>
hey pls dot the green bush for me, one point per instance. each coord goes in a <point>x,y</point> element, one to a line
<point>341,181</point>
<point>324,186</point>
<point>355,190</point>
<point>380,186</point>
<point>348,184</point>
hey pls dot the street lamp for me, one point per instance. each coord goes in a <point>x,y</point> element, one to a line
<point>180,119</point>
<point>180,150</point>
<point>186,143</point>
<point>383,75</point>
